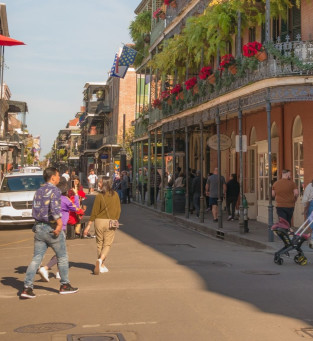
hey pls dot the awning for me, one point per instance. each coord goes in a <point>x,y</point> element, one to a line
<point>7,41</point>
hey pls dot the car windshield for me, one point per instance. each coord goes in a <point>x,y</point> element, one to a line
<point>22,183</point>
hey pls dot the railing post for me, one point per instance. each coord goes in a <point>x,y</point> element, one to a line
<point>241,212</point>
<point>201,213</point>
<point>163,174</point>
<point>187,173</point>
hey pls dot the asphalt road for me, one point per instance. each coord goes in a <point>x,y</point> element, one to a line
<point>165,283</point>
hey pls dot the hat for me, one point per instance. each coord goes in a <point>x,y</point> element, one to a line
<point>81,194</point>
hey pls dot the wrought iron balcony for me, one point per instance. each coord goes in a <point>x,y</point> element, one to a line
<point>296,59</point>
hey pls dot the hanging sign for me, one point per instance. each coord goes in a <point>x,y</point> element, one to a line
<point>225,142</point>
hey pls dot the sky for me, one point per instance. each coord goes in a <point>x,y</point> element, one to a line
<point>68,43</point>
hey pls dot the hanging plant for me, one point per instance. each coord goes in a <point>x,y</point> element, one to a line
<point>177,89</point>
<point>205,72</point>
<point>226,61</point>
<point>190,83</point>
<point>251,49</point>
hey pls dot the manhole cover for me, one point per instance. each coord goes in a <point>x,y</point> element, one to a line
<point>206,263</point>
<point>96,337</point>
<point>44,328</point>
<point>255,272</point>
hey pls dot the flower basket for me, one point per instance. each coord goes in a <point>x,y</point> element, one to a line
<point>173,4</point>
<point>195,89</point>
<point>190,83</point>
<point>162,16</point>
<point>169,101</point>
<point>177,89</point>
<point>181,95</point>
<point>212,79</point>
<point>226,61</point>
<point>159,13</point>
<point>205,72</point>
<point>232,69</point>
<point>261,56</point>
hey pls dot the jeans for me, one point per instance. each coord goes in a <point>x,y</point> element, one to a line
<point>285,212</point>
<point>231,201</point>
<point>44,238</point>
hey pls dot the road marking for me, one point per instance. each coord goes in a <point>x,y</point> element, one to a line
<point>20,241</point>
<point>132,323</point>
<point>91,325</point>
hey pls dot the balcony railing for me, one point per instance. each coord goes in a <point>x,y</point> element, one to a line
<point>94,142</point>
<point>141,127</point>
<point>157,31</point>
<point>273,67</point>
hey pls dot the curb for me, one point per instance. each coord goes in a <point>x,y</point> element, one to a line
<point>210,231</point>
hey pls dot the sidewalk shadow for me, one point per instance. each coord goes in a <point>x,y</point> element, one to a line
<point>20,270</point>
<point>17,284</point>
<point>81,265</point>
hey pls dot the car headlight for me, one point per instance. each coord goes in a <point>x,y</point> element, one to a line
<point>4,203</point>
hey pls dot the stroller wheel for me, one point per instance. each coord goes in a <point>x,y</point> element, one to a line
<point>278,260</point>
<point>296,259</point>
<point>303,261</point>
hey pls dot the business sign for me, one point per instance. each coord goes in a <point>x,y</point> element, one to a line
<point>225,142</point>
<point>244,143</point>
<point>104,156</point>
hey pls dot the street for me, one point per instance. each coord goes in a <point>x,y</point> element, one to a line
<point>165,283</point>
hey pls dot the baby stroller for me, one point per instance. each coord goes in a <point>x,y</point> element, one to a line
<point>291,240</point>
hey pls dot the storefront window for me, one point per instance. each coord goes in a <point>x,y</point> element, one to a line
<point>264,174</point>
<point>252,153</point>
<point>298,167</point>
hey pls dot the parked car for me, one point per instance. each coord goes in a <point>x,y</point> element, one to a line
<point>16,197</point>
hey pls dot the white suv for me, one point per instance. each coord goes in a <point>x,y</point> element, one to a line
<point>16,197</point>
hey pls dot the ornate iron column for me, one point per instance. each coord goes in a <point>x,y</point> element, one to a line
<point>174,164</point>
<point>241,217</point>
<point>187,173</point>
<point>201,213</point>
<point>155,167</point>
<point>163,174</point>
<point>135,172</point>
<point>268,21</point>
<point>142,175</point>
<point>149,168</point>
<point>269,145</point>
<point>219,200</point>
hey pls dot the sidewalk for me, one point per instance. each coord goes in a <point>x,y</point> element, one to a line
<point>258,236</point>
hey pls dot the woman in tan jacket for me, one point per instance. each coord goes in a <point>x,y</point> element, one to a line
<point>105,213</point>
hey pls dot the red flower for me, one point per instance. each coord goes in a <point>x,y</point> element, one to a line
<point>157,13</point>
<point>226,61</point>
<point>156,103</point>
<point>205,72</point>
<point>167,2</point>
<point>165,94</point>
<point>251,49</point>
<point>190,83</point>
<point>177,89</point>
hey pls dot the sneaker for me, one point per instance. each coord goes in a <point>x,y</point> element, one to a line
<point>103,269</point>
<point>67,289</point>
<point>229,218</point>
<point>43,272</point>
<point>97,267</point>
<point>57,275</point>
<point>28,293</point>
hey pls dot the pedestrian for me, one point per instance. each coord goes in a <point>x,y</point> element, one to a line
<point>307,201</point>
<point>207,198</point>
<point>117,186</point>
<point>211,189</point>
<point>180,181</point>
<point>154,181</point>
<point>75,186</point>
<point>92,180</point>
<point>196,190</point>
<point>105,213</point>
<point>48,232</point>
<point>66,207</point>
<point>285,192</point>
<point>124,186</point>
<point>232,193</point>
<point>66,175</point>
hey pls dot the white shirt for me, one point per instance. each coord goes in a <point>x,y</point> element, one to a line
<point>66,176</point>
<point>92,178</point>
<point>308,194</point>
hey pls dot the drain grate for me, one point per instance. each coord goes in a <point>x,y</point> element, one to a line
<point>206,263</point>
<point>306,333</point>
<point>175,245</point>
<point>96,337</point>
<point>44,328</point>
<point>265,272</point>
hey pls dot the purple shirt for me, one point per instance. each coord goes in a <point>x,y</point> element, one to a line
<point>66,207</point>
<point>47,203</point>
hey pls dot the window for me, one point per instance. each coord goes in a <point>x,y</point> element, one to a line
<point>264,172</point>
<point>298,169</point>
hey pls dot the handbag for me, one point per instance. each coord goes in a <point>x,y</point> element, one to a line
<point>112,224</point>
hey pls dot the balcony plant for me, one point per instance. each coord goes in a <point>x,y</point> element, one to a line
<point>255,49</point>
<point>157,103</point>
<point>191,84</point>
<point>177,91</point>
<point>159,14</point>
<point>171,3</point>
<point>228,61</point>
<point>205,72</point>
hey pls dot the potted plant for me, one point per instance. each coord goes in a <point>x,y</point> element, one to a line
<point>159,13</point>
<point>178,91</point>
<point>171,3</point>
<point>228,61</point>
<point>255,49</point>
<point>192,84</point>
<point>157,103</point>
<point>165,96</point>
<point>207,73</point>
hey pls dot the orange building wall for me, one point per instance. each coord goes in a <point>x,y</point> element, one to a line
<point>306,20</point>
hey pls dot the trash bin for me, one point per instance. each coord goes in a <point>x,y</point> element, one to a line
<point>168,200</point>
<point>179,200</point>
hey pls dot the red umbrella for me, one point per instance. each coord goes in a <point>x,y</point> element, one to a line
<point>7,41</point>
